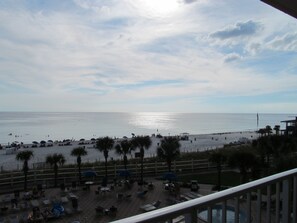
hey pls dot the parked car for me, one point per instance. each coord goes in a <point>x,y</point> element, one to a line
<point>194,185</point>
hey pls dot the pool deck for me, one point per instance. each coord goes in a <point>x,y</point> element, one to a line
<point>88,200</point>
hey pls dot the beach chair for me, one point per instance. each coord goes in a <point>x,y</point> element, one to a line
<point>156,204</point>
<point>150,207</point>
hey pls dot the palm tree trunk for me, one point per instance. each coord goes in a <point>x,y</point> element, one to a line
<point>106,167</point>
<point>25,181</point>
<point>125,162</point>
<point>141,170</point>
<point>169,165</point>
<point>79,172</point>
<point>56,176</point>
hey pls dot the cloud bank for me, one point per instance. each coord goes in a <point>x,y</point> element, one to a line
<point>141,56</point>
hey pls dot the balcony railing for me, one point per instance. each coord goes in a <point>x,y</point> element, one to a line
<point>270,199</point>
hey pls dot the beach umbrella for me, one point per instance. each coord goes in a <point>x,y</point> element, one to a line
<point>93,139</point>
<point>42,142</point>
<point>81,140</point>
<point>124,173</point>
<point>89,173</point>
<point>50,141</point>
<point>169,176</point>
<point>34,142</point>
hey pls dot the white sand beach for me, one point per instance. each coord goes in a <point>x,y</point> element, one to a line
<point>194,143</point>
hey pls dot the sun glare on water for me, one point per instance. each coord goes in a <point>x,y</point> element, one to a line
<point>152,120</point>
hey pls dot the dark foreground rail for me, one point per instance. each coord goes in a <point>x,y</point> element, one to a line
<point>271,199</point>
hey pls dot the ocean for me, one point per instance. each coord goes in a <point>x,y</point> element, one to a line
<point>36,126</point>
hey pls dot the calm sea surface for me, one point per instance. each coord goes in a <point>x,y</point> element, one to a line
<point>29,126</point>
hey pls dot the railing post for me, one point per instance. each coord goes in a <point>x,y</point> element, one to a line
<point>249,207</point>
<point>295,199</point>
<point>194,216</point>
<point>224,211</point>
<point>285,204</point>
<point>277,200</point>
<point>258,220</point>
<point>209,214</point>
<point>236,209</point>
<point>268,205</point>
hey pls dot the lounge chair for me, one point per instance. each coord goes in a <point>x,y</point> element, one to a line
<point>192,195</point>
<point>151,206</point>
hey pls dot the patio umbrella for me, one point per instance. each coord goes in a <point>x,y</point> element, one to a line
<point>42,142</point>
<point>93,139</point>
<point>169,176</point>
<point>81,140</point>
<point>124,173</point>
<point>89,173</point>
<point>34,142</point>
<point>50,141</point>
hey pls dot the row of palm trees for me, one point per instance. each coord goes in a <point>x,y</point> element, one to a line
<point>258,157</point>
<point>168,150</point>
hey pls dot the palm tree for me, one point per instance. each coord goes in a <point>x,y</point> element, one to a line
<point>276,129</point>
<point>262,132</point>
<point>55,160</point>
<point>79,152</point>
<point>268,129</point>
<point>125,147</point>
<point>104,145</point>
<point>169,150</point>
<point>218,158</point>
<point>25,156</point>
<point>141,142</point>
<point>265,149</point>
<point>244,161</point>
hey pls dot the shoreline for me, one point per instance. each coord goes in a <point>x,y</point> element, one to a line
<point>195,143</point>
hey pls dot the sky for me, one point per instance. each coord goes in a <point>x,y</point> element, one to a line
<point>147,55</point>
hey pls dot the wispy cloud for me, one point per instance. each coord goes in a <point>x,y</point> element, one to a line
<point>232,57</point>
<point>66,56</point>
<point>239,30</point>
<point>287,42</point>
